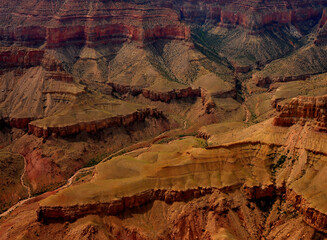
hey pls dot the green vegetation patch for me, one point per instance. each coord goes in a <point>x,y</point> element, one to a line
<point>94,161</point>
<point>279,164</point>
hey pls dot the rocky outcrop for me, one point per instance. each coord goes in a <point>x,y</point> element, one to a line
<point>59,76</point>
<point>303,109</point>
<point>222,11</point>
<point>94,126</point>
<point>115,33</point>
<point>241,68</point>
<point>51,214</point>
<point>23,58</point>
<point>48,214</point>
<point>266,81</point>
<point>311,216</point>
<point>256,192</point>
<point>20,57</point>
<point>19,61</point>
<point>20,122</point>
<point>253,15</point>
<point>157,96</point>
<point>23,35</point>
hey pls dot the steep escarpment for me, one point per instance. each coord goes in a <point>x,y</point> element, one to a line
<point>108,96</point>
<point>157,96</point>
<point>228,189</point>
<point>272,178</point>
<point>12,58</point>
<point>39,130</point>
<point>300,65</point>
<point>253,15</point>
<point>93,23</point>
<point>190,179</point>
<point>303,109</point>
<point>20,57</point>
<point>35,93</point>
<point>312,217</point>
<point>80,23</point>
<point>50,214</point>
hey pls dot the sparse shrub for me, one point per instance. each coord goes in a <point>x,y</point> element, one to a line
<point>94,161</point>
<point>165,140</point>
<point>201,143</point>
<point>279,164</point>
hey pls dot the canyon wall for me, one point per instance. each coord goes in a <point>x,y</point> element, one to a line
<point>252,15</point>
<point>20,57</point>
<point>311,216</point>
<point>303,109</point>
<point>24,35</point>
<point>47,214</point>
<point>113,33</point>
<point>16,65</point>
<point>79,23</point>
<point>157,96</point>
<point>93,126</point>
<point>107,22</point>
<point>17,57</point>
<point>266,81</point>
<point>53,214</point>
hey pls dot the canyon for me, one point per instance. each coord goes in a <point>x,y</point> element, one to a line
<point>180,119</point>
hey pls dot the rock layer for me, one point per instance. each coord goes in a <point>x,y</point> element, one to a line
<point>157,96</point>
<point>52,214</point>
<point>303,109</point>
<point>92,22</point>
<point>266,81</point>
<point>20,57</point>
<point>93,126</point>
<point>310,215</point>
<point>72,213</point>
<point>253,15</point>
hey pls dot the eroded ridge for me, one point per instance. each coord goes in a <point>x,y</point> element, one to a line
<point>92,126</point>
<point>303,109</point>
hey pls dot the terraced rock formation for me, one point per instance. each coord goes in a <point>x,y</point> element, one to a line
<point>176,119</point>
<point>148,20</point>
<point>207,186</point>
<point>39,129</point>
<point>303,109</point>
<point>135,188</point>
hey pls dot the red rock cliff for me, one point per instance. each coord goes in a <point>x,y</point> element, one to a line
<point>87,22</point>
<point>20,57</point>
<point>157,96</point>
<point>311,216</point>
<point>303,109</point>
<point>94,125</point>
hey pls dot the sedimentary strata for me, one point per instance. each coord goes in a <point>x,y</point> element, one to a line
<point>74,22</point>
<point>266,81</point>
<point>311,216</point>
<point>303,109</point>
<point>93,126</point>
<point>157,95</point>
